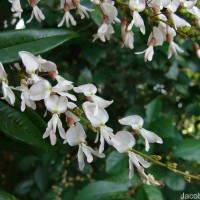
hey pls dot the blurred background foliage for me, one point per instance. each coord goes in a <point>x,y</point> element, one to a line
<point>166,93</point>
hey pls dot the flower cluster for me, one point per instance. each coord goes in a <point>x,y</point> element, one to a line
<point>56,94</point>
<point>164,13</point>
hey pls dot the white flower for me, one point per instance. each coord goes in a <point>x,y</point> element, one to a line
<point>30,62</point>
<point>137,21</point>
<point>173,47</point>
<point>99,121</point>
<point>173,6</point>
<point>155,39</point>
<point>82,11</point>
<point>3,74</point>
<point>189,4</point>
<point>159,4</point>
<point>178,21</point>
<point>46,66</point>
<point>71,118</point>
<point>8,94</point>
<point>76,136</point>
<point>149,52</point>
<point>137,5</point>
<point>16,7</point>
<point>55,105</point>
<point>89,90</point>
<point>127,37</point>
<point>42,89</point>
<point>136,122</point>
<point>25,97</point>
<point>36,11</point>
<point>110,11</point>
<point>123,141</point>
<point>104,32</point>
<point>67,18</point>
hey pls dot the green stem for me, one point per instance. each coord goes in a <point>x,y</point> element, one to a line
<point>185,174</point>
<point>171,166</point>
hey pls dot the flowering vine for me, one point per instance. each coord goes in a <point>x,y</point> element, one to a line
<point>59,100</point>
<point>165,17</point>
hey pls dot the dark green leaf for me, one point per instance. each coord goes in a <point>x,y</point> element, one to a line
<point>17,125</point>
<point>94,54</point>
<point>173,72</point>
<point>85,77</point>
<point>34,41</point>
<point>175,182</point>
<point>115,163</point>
<point>188,149</point>
<point>99,190</point>
<point>24,187</point>
<point>163,127</point>
<point>153,109</point>
<point>6,196</point>
<point>153,193</point>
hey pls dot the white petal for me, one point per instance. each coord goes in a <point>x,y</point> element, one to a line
<point>73,116</point>
<point>102,144</point>
<point>81,162</point>
<point>107,133</point>
<point>143,162</point>
<point>132,156</point>
<point>87,89</point>
<point>87,152</point>
<point>53,138</point>
<point>123,141</point>
<point>76,135</point>
<point>3,74</point>
<point>178,21</point>
<point>102,103</point>
<point>40,90</point>
<point>71,105</point>
<point>131,169</point>
<point>100,119</point>
<point>150,137</point>
<point>135,121</point>
<point>61,129</point>
<point>30,62</point>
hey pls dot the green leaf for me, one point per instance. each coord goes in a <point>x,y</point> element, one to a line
<point>173,72</point>
<point>85,77</point>
<point>6,196</point>
<point>19,126</point>
<point>94,54</point>
<point>153,193</point>
<point>33,40</point>
<point>153,109</point>
<point>175,182</point>
<point>100,189</point>
<point>115,163</point>
<point>163,127</point>
<point>188,149</point>
<point>24,187</point>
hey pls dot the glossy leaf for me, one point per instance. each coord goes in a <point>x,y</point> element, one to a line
<point>115,163</point>
<point>153,109</point>
<point>6,196</point>
<point>35,41</point>
<point>188,149</point>
<point>100,189</point>
<point>19,126</point>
